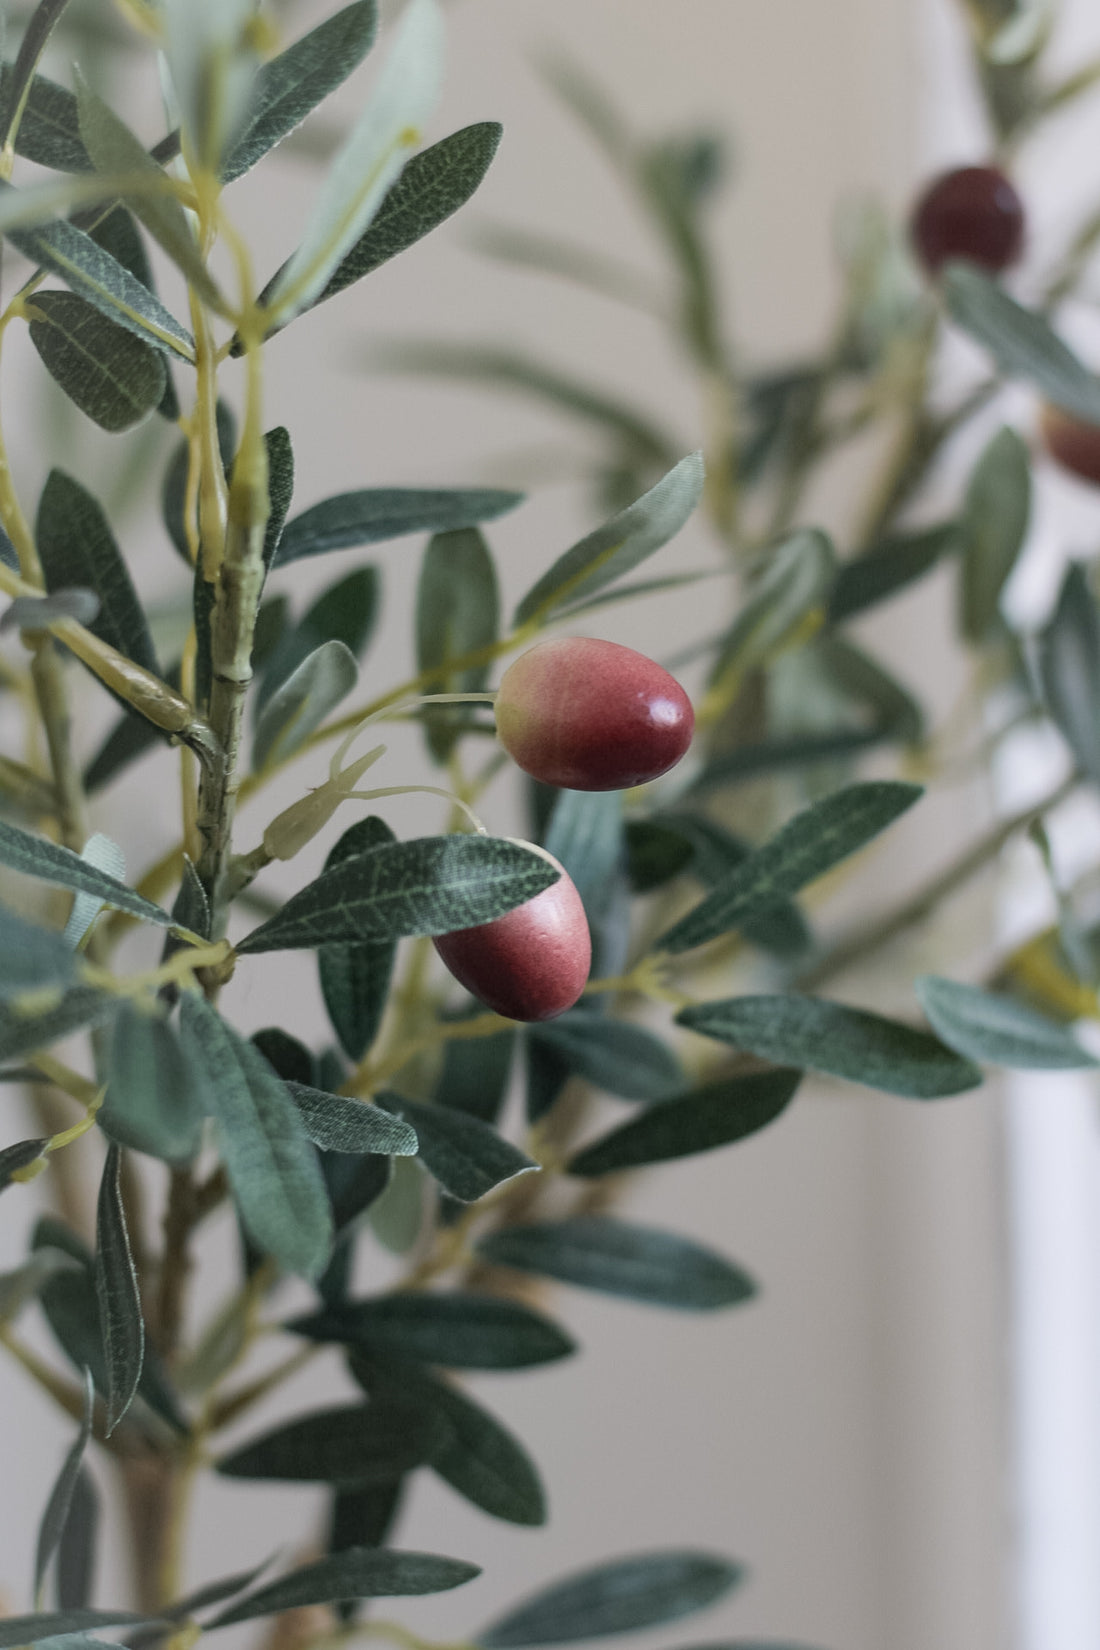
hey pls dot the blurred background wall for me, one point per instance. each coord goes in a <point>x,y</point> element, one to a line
<point>848,1434</point>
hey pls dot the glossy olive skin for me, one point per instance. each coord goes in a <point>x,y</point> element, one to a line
<point>590,715</point>
<point>1074,444</point>
<point>530,964</point>
<point>973,213</point>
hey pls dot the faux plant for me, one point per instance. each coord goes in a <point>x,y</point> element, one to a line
<point>635,889</point>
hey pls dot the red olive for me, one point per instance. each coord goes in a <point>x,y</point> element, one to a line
<point>1073,443</point>
<point>972,212</point>
<point>589,715</point>
<point>533,962</point>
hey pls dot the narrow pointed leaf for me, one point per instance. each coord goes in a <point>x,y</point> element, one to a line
<point>22,1034</point>
<point>808,845</point>
<point>844,1042</point>
<point>31,957</point>
<point>346,612</point>
<point>997,1030</point>
<point>358,1572</point>
<point>474,1078</point>
<point>77,547</point>
<point>76,1551</point>
<point>93,273</point>
<point>716,852</point>
<point>59,1505</point>
<point>1069,669</point>
<point>620,544</point>
<point>993,528</point>
<point>285,90</point>
<point>622,1596</point>
<point>37,857</point>
<point>1021,341</point>
<point>379,513</point>
<point>14,1158</point>
<point>457,612</point>
<point>49,132</point>
<point>618,1258</point>
<point>614,1055</point>
<point>457,1331</point>
<point>431,885</point>
<point>355,978</point>
<point>368,1443</point>
<point>791,586</point>
<point>106,855</point>
<point>271,1163</point>
<point>51,1624</point>
<point>718,1113</point>
<point>341,1125</point>
<point>36,612</point>
<point>116,1287</point>
<point>466,1156</point>
<point>114,377</point>
<point>887,568</point>
<point>318,685</point>
<point>280,488</point>
<point>213,64</point>
<point>357,181</point>
<point>214,1592</point>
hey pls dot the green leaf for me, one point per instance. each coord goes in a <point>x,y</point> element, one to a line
<point>786,752</point>
<point>614,1055</point>
<point>213,62</point>
<point>431,885</point>
<point>115,150</point>
<point>368,162</point>
<point>77,547</point>
<point>22,1034</point>
<point>14,1158</point>
<point>994,526</point>
<point>341,1125</point>
<point>280,488</point>
<point>618,1258</point>
<point>56,1516</point>
<point>36,612</point>
<point>17,1630</point>
<point>585,833</point>
<point>716,852</point>
<point>214,1592</point>
<point>656,852</point>
<point>271,1163</point>
<point>111,375</point>
<point>621,1596</point>
<point>346,612</point>
<point>173,493</point>
<point>466,1156</point>
<point>355,978</point>
<point>803,849</point>
<point>474,1075</point>
<point>507,370</point>
<point>288,88</point>
<point>31,957</point>
<point>353,1444</point>
<point>458,1331</point>
<point>716,1114</point>
<point>301,704</point>
<point>1021,341</point>
<point>376,514</point>
<point>36,857</point>
<point>49,132</point>
<point>97,276</point>
<point>791,585</point>
<point>1069,669</point>
<point>357,1572</point>
<point>116,1287</point>
<point>431,186</point>
<point>997,1030</point>
<point>457,612</point>
<point>619,545</point>
<point>829,1037</point>
<point>888,567</point>
<point>76,1551</point>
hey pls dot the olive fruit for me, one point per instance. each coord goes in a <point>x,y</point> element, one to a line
<point>532,963</point>
<point>973,213</point>
<point>590,715</point>
<point>1074,444</point>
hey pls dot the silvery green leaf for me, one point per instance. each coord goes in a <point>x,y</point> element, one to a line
<point>48,132</point>
<point>120,1321</point>
<point>466,1156</point>
<point>620,544</point>
<point>271,1163</point>
<point>292,84</point>
<point>22,1034</point>
<point>355,978</point>
<point>115,150</point>
<point>56,1514</point>
<point>213,66</point>
<point>12,1160</point>
<point>20,1286</point>
<point>360,1572</point>
<point>57,1628</point>
<point>154,1102</point>
<point>1069,669</point>
<point>303,701</point>
<point>792,583</point>
<point>454,1329</point>
<point>997,1030</point>
<point>113,376</point>
<point>338,1124</point>
<point>92,272</point>
<point>36,612</point>
<point>401,101</point>
<point>376,514</point>
<point>31,956</point>
<point>993,529</point>
<point>614,1055</point>
<point>105,855</point>
<point>76,1552</point>
<point>352,1444</point>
